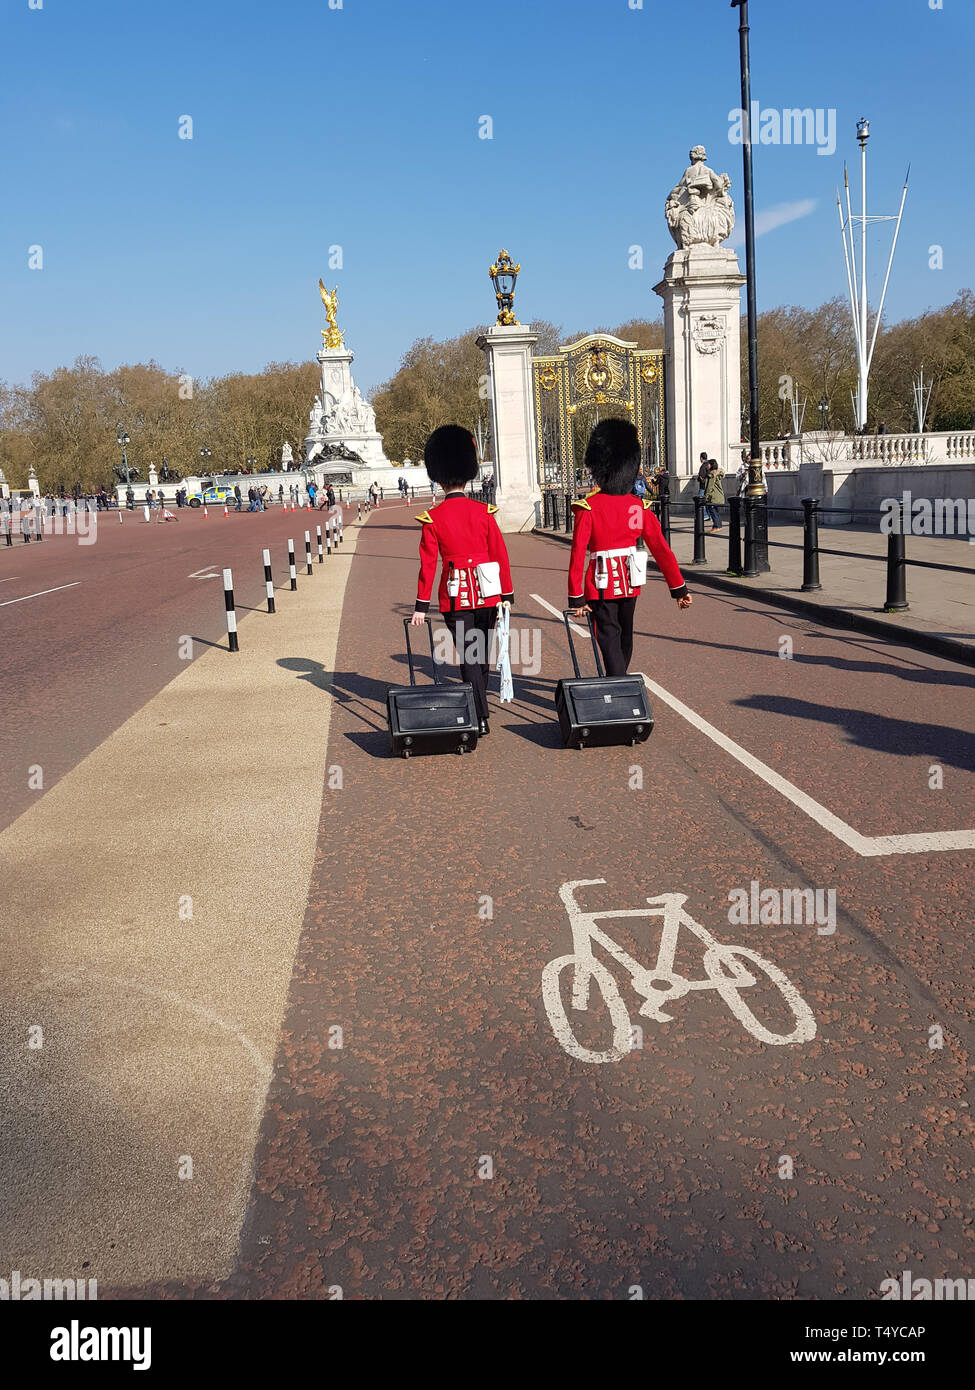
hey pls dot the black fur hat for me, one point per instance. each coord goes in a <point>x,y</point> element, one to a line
<point>451,455</point>
<point>613,456</point>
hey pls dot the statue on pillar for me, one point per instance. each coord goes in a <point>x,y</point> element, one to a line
<point>699,209</point>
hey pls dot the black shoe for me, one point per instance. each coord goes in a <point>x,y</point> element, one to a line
<point>483,728</point>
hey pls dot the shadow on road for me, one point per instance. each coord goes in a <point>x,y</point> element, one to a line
<point>902,737</point>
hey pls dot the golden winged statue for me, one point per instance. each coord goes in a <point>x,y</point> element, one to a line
<point>334,338</point>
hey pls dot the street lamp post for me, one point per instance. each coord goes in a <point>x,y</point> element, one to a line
<point>123,441</point>
<point>205,454</point>
<point>755,492</point>
<point>823,412</point>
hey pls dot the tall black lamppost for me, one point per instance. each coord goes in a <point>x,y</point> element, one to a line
<point>756,490</point>
<point>251,462</point>
<point>823,412</point>
<point>123,441</point>
<point>204,455</point>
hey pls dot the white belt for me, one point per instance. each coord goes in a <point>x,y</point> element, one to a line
<point>615,554</point>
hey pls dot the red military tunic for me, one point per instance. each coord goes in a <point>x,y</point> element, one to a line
<point>464,534</point>
<point>607,523</point>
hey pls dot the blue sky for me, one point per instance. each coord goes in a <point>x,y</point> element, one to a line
<point>358,127</point>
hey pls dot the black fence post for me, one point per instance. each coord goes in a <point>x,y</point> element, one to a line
<point>749,569</point>
<point>896,601</point>
<point>568,511</point>
<point>810,545</point>
<point>700,557</point>
<point>665,516</point>
<point>734,535</point>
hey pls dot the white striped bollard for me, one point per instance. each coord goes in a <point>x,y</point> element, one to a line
<point>318,537</point>
<point>293,573</point>
<point>228,598</point>
<point>268,581</point>
<point>340,526</point>
<point>328,535</point>
<point>358,511</point>
<point>308,551</point>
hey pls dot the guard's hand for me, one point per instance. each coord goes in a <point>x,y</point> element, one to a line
<point>418,619</point>
<point>684,601</point>
<point>578,612</point>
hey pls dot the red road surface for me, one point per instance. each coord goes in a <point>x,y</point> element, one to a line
<point>451,1147</point>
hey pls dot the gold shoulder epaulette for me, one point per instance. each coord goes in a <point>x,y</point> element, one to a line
<point>424,516</point>
<point>595,492</point>
<point>647,503</point>
<point>583,503</point>
<point>491,507</point>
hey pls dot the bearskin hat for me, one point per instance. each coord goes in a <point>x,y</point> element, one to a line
<point>451,455</point>
<point>613,456</point>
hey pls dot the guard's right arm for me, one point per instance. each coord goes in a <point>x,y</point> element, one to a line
<point>581,531</point>
<point>429,554</point>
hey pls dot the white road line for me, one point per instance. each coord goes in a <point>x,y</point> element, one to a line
<point>40,594</point>
<point>10,579</point>
<point>869,846</point>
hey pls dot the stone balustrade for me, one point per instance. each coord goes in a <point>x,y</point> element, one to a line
<point>877,450</point>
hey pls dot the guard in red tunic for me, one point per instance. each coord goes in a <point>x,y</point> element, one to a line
<point>608,523</point>
<point>476,574</point>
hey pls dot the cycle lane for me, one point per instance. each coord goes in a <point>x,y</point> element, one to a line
<point>661,1169</point>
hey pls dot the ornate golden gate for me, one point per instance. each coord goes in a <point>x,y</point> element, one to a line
<point>598,376</point>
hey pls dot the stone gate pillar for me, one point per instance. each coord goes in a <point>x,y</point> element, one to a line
<point>508,349</point>
<point>701,291</point>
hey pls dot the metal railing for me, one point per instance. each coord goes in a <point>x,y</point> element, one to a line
<point>744,523</point>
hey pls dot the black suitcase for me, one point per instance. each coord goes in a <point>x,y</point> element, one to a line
<point>430,718</point>
<point>596,713</point>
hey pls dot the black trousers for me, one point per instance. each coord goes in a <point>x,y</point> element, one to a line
<point>471,631</point>
<point>613,620</point>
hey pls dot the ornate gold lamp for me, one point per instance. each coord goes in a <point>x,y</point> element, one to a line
<point>504,274</point>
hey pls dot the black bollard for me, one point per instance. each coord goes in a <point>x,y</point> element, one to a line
<point>228,598</point>
<point>896,601</point>
<point>293,573</point>
<point>700,557</point>
<point>665,516</point>
<point>318,537</point>
<point>328,536</point>
<point>568,512</point>
<point>268,581</point>
<point>810,544</point>
<point>338,538</point>
<point>308,552</point>
<point>749,569</point>
<point>734,535</point>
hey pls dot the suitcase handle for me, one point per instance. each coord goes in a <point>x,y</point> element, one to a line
<point>566,614</point>
<point>409,651</point>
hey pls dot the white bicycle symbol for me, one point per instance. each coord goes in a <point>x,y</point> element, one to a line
<point>661,985</point>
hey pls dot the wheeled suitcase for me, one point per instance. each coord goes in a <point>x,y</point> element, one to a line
<point>430,718</point>
<point>595,713</point>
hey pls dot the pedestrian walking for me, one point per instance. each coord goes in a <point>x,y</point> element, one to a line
<point>714,494</point>
<point>607,523</point>
<point>702,474</point>
<point>330,495</point>
<point>373,493</point>
<point>475,576</point>
<point>238,499</point>
<point>280,494</point>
